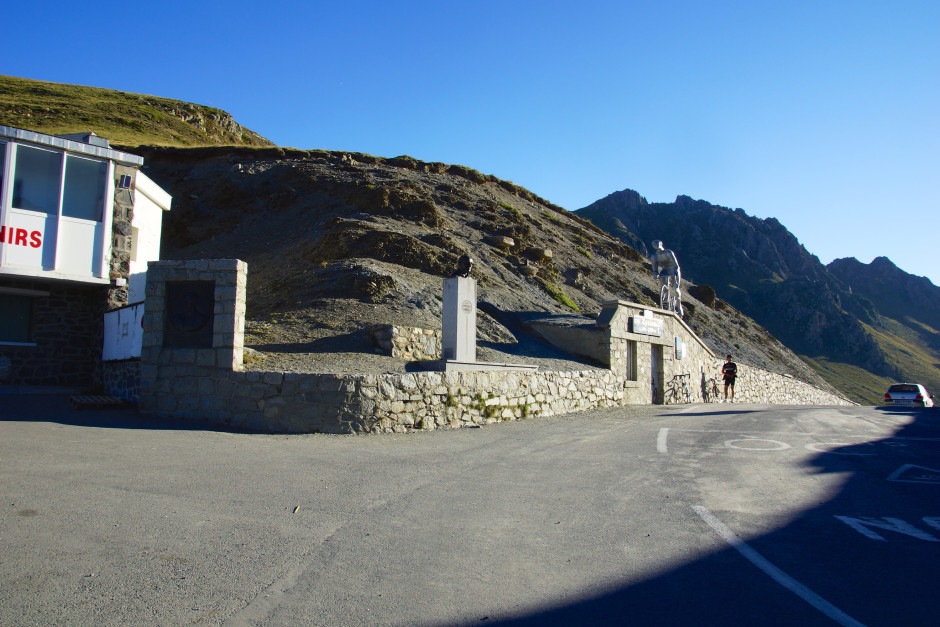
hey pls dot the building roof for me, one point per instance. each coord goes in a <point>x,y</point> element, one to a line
<point>70,145</point>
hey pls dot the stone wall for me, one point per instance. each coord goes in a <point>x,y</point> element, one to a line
<point>121,379</point>
<point>409,343</point>
<point>669,363</point>
<point>754,385</point>
<point>320,403</point>
<point>170,372</point>
<point>121,237</point>
<point>67,336</point>
<point>650,353</point>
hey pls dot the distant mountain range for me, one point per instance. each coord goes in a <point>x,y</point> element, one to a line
<point>861,326</point>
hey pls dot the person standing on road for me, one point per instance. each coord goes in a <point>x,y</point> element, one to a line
<point>730,371</point>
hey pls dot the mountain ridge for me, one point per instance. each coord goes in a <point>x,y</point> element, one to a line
<point>828,314</point>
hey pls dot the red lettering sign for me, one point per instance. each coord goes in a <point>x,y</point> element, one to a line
<point>18,237</point>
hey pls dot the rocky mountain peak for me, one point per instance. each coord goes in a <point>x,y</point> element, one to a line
<point>756,265</point>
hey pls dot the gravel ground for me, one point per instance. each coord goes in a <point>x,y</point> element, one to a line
<point>342,346</point>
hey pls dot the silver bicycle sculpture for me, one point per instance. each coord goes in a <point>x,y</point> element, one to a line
<point>669,295</point>
<point>666,270</point>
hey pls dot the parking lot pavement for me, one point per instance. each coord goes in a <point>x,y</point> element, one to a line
<point>653,515</point>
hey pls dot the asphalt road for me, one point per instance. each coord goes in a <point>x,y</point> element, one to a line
<point>706,515</point>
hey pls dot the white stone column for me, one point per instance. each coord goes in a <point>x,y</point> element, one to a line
<point>459,342</point>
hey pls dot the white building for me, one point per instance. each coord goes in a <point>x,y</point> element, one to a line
<point>78,224</point>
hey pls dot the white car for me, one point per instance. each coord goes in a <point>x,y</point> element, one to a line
<point>910,394</point>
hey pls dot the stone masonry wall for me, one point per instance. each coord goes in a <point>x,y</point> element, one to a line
<point>697,367</point>
<point>318,403</point>
<point>321,403</point>
<point>754,385</point>
<point>67,332</point>
<point>210,384</point>
<point>121,379</point>
<point>170,376</point>
<point>121,237</point>
<point>410,343</point>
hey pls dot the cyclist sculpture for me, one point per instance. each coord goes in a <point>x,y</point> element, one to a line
<point>666,270</point>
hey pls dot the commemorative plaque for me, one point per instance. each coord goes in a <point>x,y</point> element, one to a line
<point>189,315</point>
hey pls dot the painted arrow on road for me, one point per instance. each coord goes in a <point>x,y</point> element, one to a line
<point>909,473</point>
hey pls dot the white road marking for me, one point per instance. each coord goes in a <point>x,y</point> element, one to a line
<point>661,441</point>
<point>775,573</point>
<point>862,524</point>
<point>915,474</point>
<point>887,435</point>
<point>775,445</point>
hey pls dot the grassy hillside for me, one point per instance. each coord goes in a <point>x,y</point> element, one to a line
<point>906,350</point>
<point>908,353</point>
<point>856,383</point>
<point>125,119</point>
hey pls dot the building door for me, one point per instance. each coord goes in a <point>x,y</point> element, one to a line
<point>656,370</point>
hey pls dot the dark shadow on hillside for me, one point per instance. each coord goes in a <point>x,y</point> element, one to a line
<point>529,347</point>
<point>527,344</point>
<point>885,582</point>
<point>55,408</point>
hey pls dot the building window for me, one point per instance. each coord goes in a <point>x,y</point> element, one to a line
<point>58,217</point>
<point>16,314</point>
<point>36,180</point>
<point>631,361</point>
<point>83,196</point>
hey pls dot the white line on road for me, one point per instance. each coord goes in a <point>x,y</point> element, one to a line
<point>815,435</point>
<point>661,441</point>
<point>775,573</point>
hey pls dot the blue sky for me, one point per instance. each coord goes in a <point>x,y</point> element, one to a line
<point>824,115</point>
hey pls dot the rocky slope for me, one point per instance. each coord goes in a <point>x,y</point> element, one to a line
<point>832,315</point>
<point>336,242</point>
<point>894,292</point>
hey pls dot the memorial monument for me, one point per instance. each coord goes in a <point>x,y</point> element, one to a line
<point>459,323</point>
<point>667,272</point>
<point>459,328</point>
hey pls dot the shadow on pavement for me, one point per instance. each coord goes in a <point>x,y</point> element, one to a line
<point>56,408</point>
<point>728,412</point>
<point>875,582</point>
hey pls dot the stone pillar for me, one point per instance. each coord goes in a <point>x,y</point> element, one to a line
<point>459,341</point>
<point>194,321</point>
<point>615,318</point>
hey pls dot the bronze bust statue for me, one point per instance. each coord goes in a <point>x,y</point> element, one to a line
<point>464,266</point>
